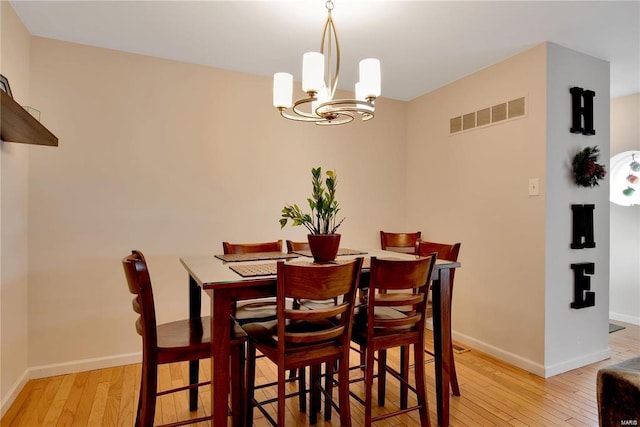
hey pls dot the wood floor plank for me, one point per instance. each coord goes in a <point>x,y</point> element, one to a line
<point>114,394</point>
<point>129,397</point>
<point>30,409</point>
<point>53,414</point>
<point>96,415</point>
<point>86,399</point>
<point>73,399</point>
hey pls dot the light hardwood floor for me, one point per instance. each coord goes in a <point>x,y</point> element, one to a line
<point>493,394</point>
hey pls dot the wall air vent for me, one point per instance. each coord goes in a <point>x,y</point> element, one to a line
<point>498,113</point>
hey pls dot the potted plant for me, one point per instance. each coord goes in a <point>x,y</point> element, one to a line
<point>321,222</point>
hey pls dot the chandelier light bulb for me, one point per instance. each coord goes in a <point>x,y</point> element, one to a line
<point>370,77</point>
<point>282,90</point>
<point>312,71</point>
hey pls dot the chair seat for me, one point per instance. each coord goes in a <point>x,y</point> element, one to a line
<point>313,304</point>
<point>186,335</point>
<point>359,331</point>
<point>258,310</point>
<point>255,310</point>
<point>265,334</point>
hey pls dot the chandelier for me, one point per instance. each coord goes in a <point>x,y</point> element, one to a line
<point>319,81</point>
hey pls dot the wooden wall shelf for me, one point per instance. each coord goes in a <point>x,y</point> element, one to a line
<point>20,126</point>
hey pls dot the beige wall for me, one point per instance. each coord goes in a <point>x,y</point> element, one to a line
<point>472,187</point>
<point>15,44</point>
<point>172,159</point>
<point>625,220</point>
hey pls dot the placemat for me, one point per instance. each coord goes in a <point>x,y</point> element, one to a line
<point>255,256</point>
<point>341,251</point>
<point>271,268</point>
<point>254,270</point>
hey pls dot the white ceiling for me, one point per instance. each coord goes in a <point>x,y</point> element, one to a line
<point>422,45</point>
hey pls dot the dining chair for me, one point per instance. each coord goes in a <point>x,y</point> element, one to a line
<point>293,246</point>
<point>393,315</point>
<point>400,242</point>
<point>303,337</point>
<point>256,309</point>
<point>178,341</point>
<point>261,309</point>
<point>448,251</point>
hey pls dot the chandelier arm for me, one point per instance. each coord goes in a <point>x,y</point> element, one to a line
<point>297,118</point>
<point>338,119</point>
<point>302,116</point>
<point>296,109</point>
<point>338,106</point>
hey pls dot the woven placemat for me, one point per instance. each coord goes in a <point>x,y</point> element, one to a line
<point>254,270</point>
<point>255,256</point>
<point>271,268</point>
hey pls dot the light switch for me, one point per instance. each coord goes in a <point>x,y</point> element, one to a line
<point>534,187</point>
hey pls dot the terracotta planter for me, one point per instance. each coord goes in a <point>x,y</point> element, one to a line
<point>324,247</point>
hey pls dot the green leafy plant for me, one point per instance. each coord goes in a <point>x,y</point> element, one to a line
<point>323,204</point>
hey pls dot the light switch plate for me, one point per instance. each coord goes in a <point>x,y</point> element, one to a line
<point>534,187</point>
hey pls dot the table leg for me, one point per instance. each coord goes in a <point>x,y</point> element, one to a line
<point>441,294</point>
<point>195,298</point>
<point>221,336</point>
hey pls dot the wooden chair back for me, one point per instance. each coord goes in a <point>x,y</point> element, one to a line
<point>448,251</point>
<point>139,281</point>
<point>297,246</point>
<point>401,285</point>
<point>245,248</point>
<point>324,330</point>
<point>400,242</point>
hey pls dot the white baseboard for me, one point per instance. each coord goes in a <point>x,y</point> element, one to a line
<point>511,358</point>
<point>84,365</point>
<point>11,396</point>
<point>634,320</point>
<point>529,365</point>
<point>578,362</point>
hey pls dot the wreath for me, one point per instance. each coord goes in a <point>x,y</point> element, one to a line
<point>586,171</point>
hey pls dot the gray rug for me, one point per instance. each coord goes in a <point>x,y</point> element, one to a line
<point>614,327</point>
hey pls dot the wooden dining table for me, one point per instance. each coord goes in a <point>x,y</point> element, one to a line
<point>224,286</point>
